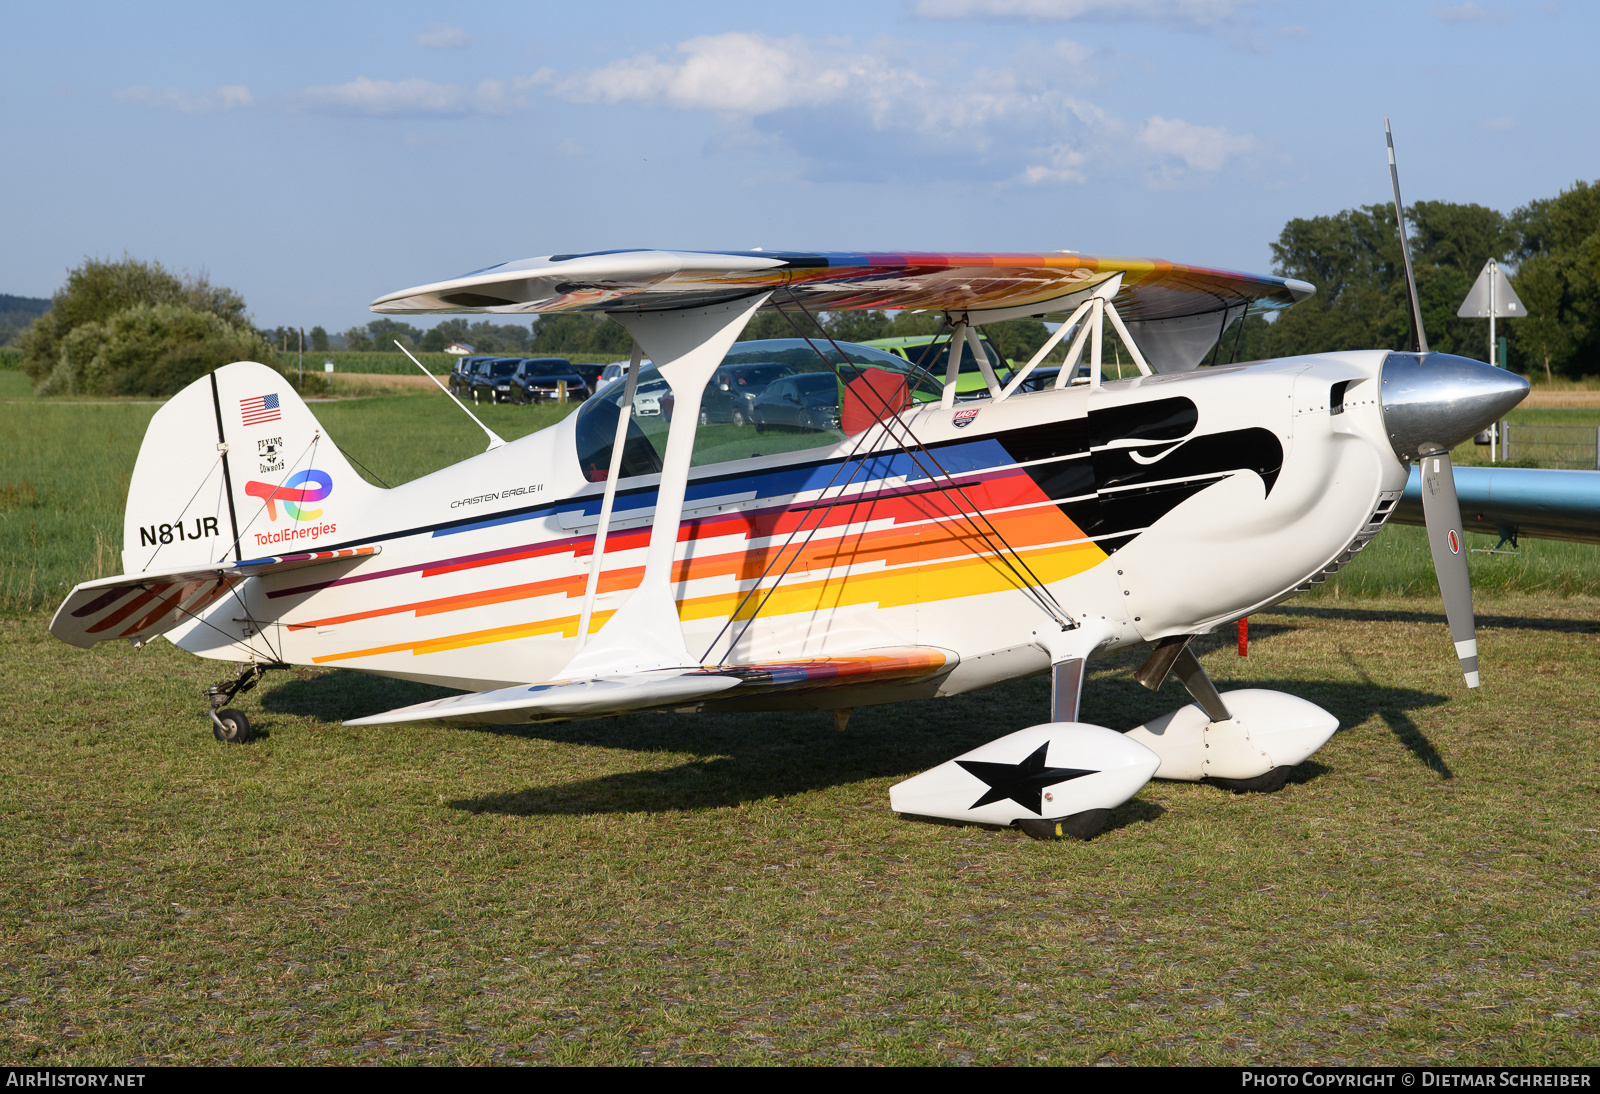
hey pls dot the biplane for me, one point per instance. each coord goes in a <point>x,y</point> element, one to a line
<point>912,541</point>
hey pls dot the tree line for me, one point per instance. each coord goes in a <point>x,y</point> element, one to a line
<point>129,327</point>
<point>1353,258</point>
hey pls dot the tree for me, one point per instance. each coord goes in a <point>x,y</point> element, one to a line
<point>856,326</point>
<point>774,324</point>
<point>1353,258</point>
<point>507,338</point>
<point>356,340</point>
<point>580,332</point>
<point>1017,339</point>
<point>99,289</point>
<point>150,349</point>
<point>319,340</point>
<point>1559,280</point>
<point>385,332</point>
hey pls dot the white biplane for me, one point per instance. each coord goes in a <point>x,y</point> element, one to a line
<point>891,541</point>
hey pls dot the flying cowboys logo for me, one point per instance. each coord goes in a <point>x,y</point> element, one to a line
<point>964,417</point>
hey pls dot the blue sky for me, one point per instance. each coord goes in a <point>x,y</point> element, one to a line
<point>314,156</point>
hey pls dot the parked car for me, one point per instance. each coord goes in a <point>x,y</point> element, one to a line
<point>538,380</point>
<point>459,373</point>
<point>734,389</point>
<point>490,379</point>
<point>591,375</point>
<point>931,352</point>
<point>807,403</point>
<point>616,370</point>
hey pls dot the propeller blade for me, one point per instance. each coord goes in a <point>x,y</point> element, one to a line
<point>1442,513</point>
<point>1419,337</point>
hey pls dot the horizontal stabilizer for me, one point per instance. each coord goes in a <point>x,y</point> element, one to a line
<point>141,606</point>
<point>669,688</point>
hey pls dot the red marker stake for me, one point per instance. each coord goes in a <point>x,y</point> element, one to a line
<point>1244,637</point>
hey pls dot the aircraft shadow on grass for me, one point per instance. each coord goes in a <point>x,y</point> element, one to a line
<point>746,758</point>
<point>779,755</point>
<point>1484,622</point>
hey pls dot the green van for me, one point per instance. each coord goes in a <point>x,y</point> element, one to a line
<point>915,348</point>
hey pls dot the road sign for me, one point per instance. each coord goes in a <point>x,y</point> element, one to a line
<point>1491,296</point>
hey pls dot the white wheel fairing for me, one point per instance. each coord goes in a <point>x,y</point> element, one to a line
<point>1268,729</point>
<point>1046,771</point>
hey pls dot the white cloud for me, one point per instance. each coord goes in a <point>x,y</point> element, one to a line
<point>231,97</point>
<point>1064,165</point>
<point>420,97</point>
<point>1201,147</point>
<point>734,73</point>
<point>1500,124</point>
<point>443,36</point>
<point>878,114</point>
<point>1196,13</point>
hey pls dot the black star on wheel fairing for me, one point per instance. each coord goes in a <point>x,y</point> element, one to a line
<point>1023,783</point>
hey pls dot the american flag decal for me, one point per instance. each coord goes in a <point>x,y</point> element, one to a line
<point>259,409</point>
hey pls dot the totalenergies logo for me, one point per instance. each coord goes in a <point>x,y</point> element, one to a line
<point>301,488</point>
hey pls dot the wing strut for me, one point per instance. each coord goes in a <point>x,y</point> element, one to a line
<point>687,345</point>
<point>972,513</point>
<point>624,417</point>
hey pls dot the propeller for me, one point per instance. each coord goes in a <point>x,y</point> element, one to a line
<point>1442,513</point>
<point>1431,395</point>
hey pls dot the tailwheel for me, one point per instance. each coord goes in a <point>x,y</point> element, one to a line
<point>230,726</point>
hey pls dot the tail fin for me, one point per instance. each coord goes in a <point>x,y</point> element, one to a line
<point>235,467</point>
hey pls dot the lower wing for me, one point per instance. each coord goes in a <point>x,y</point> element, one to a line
<point>669,688</point>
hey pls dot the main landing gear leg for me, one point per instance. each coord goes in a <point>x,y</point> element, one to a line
<point>1197,751</point>
<point>231,726</point>
<point>1203,691</point>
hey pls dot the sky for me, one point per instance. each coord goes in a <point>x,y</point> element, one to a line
<point>316,156</point>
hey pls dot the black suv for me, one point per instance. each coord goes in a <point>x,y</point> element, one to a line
<point>489,380</point>
<point>536,380</point>
<point>459,373</point>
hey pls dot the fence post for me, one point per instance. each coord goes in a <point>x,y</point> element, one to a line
<point>1505,442</point>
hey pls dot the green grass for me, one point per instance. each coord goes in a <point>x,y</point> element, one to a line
<point>64,467</point>
<point>680,889</point>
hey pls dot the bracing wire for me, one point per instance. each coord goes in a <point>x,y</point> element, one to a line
<point>359,464</point>
<point>1034,587</point>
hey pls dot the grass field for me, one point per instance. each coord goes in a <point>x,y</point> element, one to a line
<point>681,889</point>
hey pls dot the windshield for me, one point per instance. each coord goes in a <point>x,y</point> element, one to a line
<point>502,369</point>
<point>737,428</point>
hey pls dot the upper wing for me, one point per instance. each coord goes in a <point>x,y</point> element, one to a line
<point>141,606</point>
<point>633,692</point>
<point>644,280</point>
